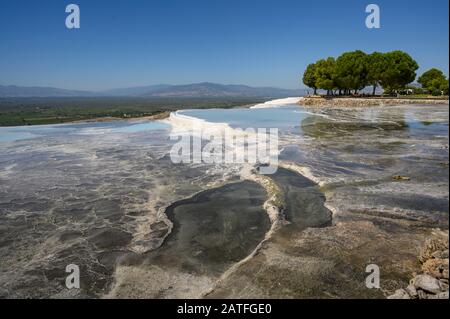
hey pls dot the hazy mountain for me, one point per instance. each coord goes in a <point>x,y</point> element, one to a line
<point>34,91</point>
<point>207,89</point>
<point>196,90</point>
<point>135,91</point>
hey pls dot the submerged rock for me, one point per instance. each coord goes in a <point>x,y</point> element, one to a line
<point>429,284</point>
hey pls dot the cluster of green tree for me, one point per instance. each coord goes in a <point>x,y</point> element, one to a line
<point>434,82</point>
<point>353,71</point>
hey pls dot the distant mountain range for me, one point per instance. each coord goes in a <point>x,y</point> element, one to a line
<point>135,91</point>
<point>31,91</point>
<point>196,90</point>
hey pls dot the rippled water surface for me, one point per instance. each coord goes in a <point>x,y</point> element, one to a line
<point>107,197</point>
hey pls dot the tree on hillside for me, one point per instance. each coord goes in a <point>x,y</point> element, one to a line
<point>309,77</point>
<point>434,81</point>
<point>351,71</point>
<point>400,71</point>
<point>325,74</point>
<point>376,64</point>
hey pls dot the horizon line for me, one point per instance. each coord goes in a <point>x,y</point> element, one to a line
<point>301,87</point>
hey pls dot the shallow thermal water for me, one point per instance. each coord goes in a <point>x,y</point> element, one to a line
<point>107,197</point>
<point>214,229</point>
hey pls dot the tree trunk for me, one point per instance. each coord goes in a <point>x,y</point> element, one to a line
<point>315,91</point>
<point>374,89</point>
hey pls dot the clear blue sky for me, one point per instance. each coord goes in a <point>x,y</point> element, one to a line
<point>254,42</point>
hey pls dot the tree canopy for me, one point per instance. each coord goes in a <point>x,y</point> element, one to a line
<point>401,70</point>
<point>377,65</point>
<point>434,81</point>
<point>309,77</point>
<point>353,71</point>
<point>325,74</point>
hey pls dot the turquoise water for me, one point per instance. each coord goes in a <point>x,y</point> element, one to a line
<point>417,121</point>
<point>11,136</point>
<point>284,118</point>
<point>141,127</point>
<point>17,133</point>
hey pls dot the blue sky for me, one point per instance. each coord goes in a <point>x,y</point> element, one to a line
<point>254,42</point>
